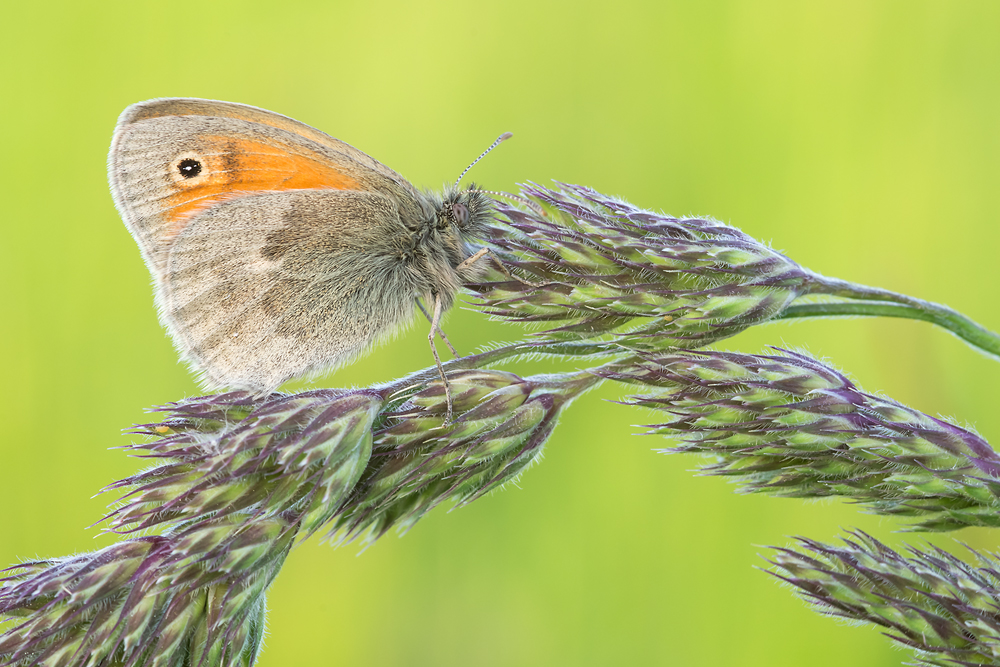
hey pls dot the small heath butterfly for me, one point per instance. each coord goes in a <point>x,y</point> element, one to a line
<point>276,250</point>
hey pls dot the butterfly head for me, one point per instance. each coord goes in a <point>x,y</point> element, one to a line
<point>466,211</point>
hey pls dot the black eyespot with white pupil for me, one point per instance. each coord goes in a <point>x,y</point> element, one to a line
<point>189,168</point>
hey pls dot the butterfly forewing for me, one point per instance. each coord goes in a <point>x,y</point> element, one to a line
<point>164,170</point>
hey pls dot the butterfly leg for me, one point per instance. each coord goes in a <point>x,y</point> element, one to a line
<point>472,259</point>
<point>440,330</point>
<point>503,269</point>
<point>430,339</point>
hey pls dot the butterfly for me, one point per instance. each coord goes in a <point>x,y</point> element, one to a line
<point>277,251</point>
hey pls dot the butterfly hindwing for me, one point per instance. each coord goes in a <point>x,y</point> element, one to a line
<point>257,290</point>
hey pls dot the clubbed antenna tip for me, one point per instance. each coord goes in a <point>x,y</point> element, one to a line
<point>502,138</point>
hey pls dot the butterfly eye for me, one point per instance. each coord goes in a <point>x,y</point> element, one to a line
<point>461,213</point>
<point>189,168</point>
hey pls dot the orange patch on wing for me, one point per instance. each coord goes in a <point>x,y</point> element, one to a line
<point>232,166</point>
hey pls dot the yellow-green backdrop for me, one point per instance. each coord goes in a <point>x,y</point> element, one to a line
<point>860,137</point>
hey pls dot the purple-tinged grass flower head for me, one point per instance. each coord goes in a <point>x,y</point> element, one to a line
<point>295,456</point>
<point>929,600</point>
<point>500,426</point>
<point>792,426</point>
<point>237,480</point>
<point>150,600</point>
<point>648,280</point>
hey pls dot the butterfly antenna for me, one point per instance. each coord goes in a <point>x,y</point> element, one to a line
<point>502,138</point>
<point>534,206</point>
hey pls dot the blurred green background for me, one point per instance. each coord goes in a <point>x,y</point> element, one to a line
<point>860,137</point>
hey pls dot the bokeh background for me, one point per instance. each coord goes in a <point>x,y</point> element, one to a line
<point>860,137</point>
